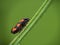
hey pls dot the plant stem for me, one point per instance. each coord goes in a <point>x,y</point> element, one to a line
<point>40,11</point>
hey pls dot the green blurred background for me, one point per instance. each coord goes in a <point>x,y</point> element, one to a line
<point>45,32</point>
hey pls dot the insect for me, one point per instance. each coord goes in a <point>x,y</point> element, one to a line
<point>20,25</point>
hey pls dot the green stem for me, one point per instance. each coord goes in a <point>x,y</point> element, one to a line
<point>18,38</point>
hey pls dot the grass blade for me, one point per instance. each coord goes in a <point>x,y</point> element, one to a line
<point>42,8</point>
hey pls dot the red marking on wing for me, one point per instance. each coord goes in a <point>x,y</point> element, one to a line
<point>14,29</point>
<point>18,25</point>
<point>22,20</point>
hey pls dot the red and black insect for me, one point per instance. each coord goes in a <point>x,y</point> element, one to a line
<point>19,26</point>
